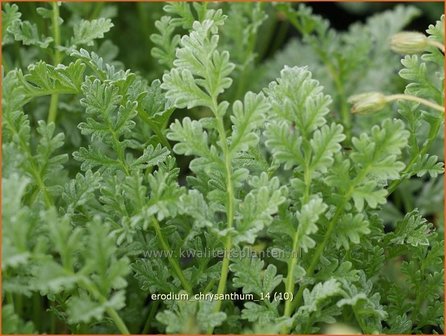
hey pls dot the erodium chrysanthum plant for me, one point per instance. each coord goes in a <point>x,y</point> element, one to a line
<point>231,181</point>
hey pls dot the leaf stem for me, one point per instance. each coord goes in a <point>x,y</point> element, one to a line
<point>289,287</point>
<point>419,298</point>
<point>53,323</point>
<point>166,247</point>
<point>436,44</point>
<point>56,32</point>
<point>246,67</point>
<point>224,271</point>
<point>209,286</point>
<point>290,282</point>
<point>52,113</point>
<point>150,315</point>
<point>36,310</point>
<point>96,10</point>
<point>416,100</point>
<point>229,205</point>
<point>343,105</point>
<point>10,298</point>
<point>118,321</point>
<point>280,36</point>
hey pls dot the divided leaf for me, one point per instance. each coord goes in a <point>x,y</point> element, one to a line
<point>85,32</point>
<point>250,276</point>
<point>307,218</point>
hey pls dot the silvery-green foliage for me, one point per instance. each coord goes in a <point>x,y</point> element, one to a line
<point>227,173</point>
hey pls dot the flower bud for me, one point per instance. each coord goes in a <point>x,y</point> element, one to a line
<point>408,43</point>
<point>368,102</point>
<point>341,329</point>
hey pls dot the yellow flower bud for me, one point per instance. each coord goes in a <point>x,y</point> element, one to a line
<point>408,43</point>
<point>368,102</point>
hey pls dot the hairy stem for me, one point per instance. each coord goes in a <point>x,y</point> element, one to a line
<point>436,44</point>
<point>416,100</point>
<point>247,66</point>
<point>230,213</point>
<point>56,32</point>
<point>343,104</point>
<point>289,286</point>
<point>173,262</point>
<point>118,321</point>
<point>52,113</point>
<point>96,10</point>
<point>229,206</point>
<point>290,283</point>
<point>209,286</point>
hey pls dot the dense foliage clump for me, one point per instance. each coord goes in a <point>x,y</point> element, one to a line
<point>241,183</point>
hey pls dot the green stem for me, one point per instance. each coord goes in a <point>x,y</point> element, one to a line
<point>37,308</point>
<point>343,103</point>
<point>53,323</point>
<point>416,100</point>
<point>290,283</point>
<point>10,298</point>
<point>96,10</point>
<point>289,287</point>
<point>209,286</point>
<point>266,41</point>
<point>418,301</point>
<point>229,207</point>
<point>119,151</point>
<point>174,263</point>
<point>19,304</point>
<point>150,315</point>
<point>246,66</point>
<point>221,289</point>
<point>56,32</point>
<point>280,37</point>
<point>144,22</point>
<point>52,113</point>
<point>436,44</point>
<point>345,116</point>
<point>118,321</point>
